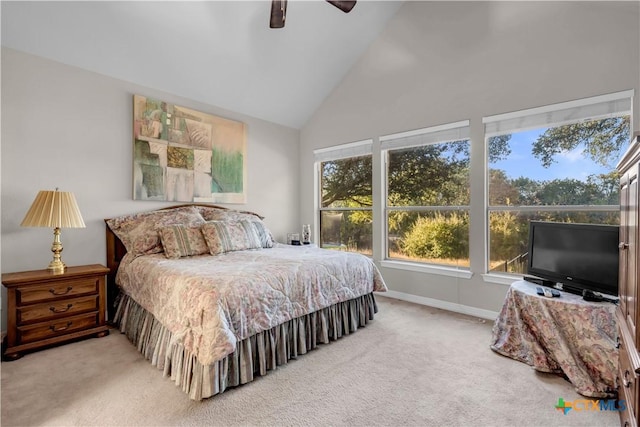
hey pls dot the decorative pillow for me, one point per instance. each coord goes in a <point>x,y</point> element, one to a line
<point>263,233</point>
<point>212,212</point>
<point>217,213</point>
<point>139,232</point>
<point>227,236</point>
<point>179,241</point>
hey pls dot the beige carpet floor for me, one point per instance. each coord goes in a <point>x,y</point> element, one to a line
<point>413,365</point>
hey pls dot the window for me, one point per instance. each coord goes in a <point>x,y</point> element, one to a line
<point>427,195</point>
<point>345,197</point>
<point>554,163</point>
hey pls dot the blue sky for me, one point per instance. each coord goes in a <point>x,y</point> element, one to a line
<point>522,163</point>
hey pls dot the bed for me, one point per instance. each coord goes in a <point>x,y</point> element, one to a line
<point>209,297</point>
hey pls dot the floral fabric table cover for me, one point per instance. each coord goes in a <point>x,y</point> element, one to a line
<point>565,335</point>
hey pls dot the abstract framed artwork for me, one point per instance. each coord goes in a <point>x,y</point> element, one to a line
<point>184,155</point>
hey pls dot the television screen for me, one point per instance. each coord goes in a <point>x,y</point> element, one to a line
<point>579,256</point>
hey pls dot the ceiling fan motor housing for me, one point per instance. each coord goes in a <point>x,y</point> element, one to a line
<point>279,10</point>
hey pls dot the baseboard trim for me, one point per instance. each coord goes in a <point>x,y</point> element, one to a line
<point>445,305</point>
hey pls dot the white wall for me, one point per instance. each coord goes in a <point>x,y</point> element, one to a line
<point>69,128</point>
<point>441,62</point>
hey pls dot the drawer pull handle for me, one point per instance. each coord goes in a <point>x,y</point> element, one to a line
<point>623,245</point>
<point>625,381</point>
<point>62,310</point>
<point>53,291</point>
<point>53,327</point>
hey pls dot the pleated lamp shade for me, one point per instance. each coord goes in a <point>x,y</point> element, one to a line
<point>57,209</point>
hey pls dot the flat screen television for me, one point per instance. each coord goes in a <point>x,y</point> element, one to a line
<point>578,256</point>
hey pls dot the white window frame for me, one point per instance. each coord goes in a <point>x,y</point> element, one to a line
<point>336,152</point>
<point>415,138</point>
<point>554,115</point>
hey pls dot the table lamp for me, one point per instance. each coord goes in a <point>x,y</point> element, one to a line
<point>57,209</point>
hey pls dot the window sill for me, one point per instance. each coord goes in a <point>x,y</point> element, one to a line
<point>501,279</point>
<point>424,268</point>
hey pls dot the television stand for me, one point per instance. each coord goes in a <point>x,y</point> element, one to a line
<point>539,281</point>
<point>571,289</point>
<point>589,295</point>
<point>567,336</point>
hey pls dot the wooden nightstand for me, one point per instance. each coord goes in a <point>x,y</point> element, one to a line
<point>44,309</point>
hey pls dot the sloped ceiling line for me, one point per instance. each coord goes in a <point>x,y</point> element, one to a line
<point>221,53</point>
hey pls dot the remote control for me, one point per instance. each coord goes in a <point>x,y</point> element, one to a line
<point>549,293</point>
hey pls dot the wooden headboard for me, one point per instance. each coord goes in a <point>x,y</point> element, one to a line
<point>116,251</point>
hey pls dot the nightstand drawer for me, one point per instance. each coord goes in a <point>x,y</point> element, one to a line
<point>56,309</point>
<point>55,290</point>
<point>40,331</point>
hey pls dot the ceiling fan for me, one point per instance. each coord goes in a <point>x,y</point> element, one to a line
<point>279,10</point>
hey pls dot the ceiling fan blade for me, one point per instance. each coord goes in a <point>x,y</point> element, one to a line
<point>278,13</point>
<point>344,6</point>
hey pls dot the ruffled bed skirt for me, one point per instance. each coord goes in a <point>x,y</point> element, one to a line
<point>257,354</point>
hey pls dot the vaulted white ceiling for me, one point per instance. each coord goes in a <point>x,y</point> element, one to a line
<point>222,53</point>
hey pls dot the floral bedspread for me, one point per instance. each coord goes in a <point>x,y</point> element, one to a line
<point>210,302</point>
<point>565,335</point>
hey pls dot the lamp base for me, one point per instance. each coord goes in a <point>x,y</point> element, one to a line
<point>56,267</point>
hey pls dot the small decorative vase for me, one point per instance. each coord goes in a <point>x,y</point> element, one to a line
<point>306,234</point>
